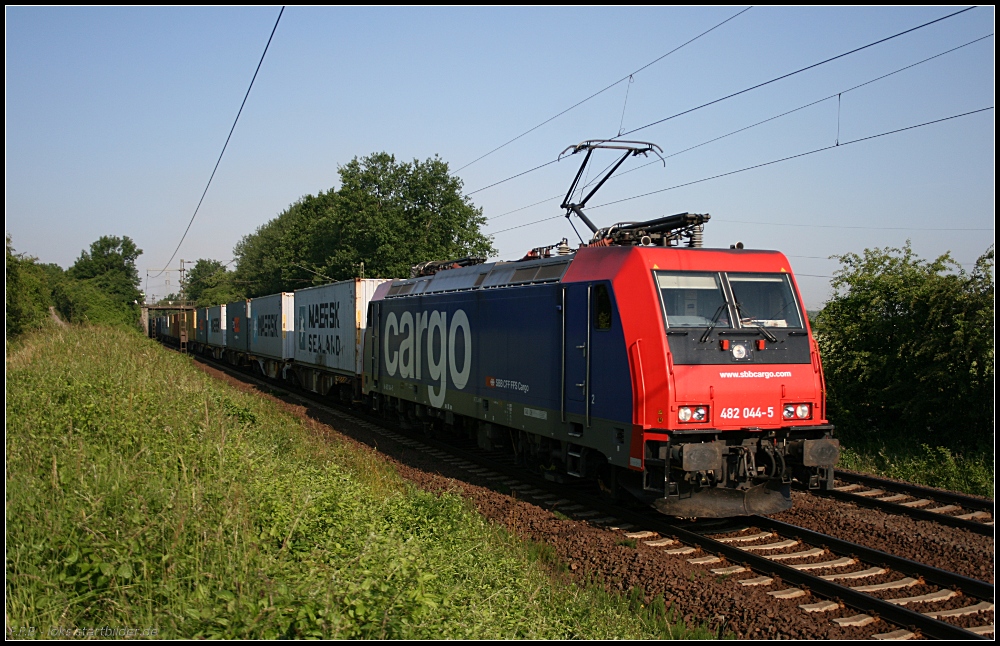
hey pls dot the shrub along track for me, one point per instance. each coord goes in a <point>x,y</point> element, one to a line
<point>586,551</point>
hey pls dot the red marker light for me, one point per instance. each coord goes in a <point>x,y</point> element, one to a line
<point>724,343</point>
<point>760,344</point>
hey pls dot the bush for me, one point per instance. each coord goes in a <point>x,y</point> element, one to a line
<point>83,301</point>
<point>932,466</point>
<point>28,293</point>
<point>907,348</point>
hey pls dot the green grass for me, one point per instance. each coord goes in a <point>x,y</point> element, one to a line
<point>141,493</point>
<point>932,466</point>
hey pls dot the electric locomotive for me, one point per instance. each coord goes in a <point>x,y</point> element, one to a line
<point>685,377</point>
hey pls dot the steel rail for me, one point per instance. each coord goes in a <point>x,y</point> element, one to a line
<point>864,602</point>
<point>920,514</point>
<point>951,497</point>
<point>930,574</point>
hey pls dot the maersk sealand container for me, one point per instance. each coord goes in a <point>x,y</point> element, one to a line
<point>330,321</point>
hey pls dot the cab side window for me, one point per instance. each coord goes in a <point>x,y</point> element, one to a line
<point>602,308</point>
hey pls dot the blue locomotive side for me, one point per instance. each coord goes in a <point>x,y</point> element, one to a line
<point>522,357</point>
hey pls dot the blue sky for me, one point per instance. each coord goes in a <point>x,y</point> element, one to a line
<point>115,117</point>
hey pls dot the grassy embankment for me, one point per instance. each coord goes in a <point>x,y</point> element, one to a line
<point>142,493</point>
<point>932,466</point>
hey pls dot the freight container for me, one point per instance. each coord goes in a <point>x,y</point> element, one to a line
<point>238,328</point>
<point>201,333</point>
<point>329,325</point>
<point>217,326</point>
<point>272,327</point>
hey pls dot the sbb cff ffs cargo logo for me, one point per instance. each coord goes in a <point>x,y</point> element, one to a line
<point>411,341</point>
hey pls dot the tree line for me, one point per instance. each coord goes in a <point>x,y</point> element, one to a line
<point>385,217</point>
<point>101,287</point>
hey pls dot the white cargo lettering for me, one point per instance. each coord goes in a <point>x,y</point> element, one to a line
<point>436,368</point>
<point>391,358</point>
<point>421,326</point>
<point>440,352</point>
<point>460,377</point>
<point>406,347</point>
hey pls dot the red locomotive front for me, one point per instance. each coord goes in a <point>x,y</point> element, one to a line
<point>728,395</point>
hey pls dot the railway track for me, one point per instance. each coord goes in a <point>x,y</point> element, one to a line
<point>943,507</point>
<point>768,553</point>
<point>830,573</point>
<point>853,585</point>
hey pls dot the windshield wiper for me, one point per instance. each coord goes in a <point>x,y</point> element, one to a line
<point>715,319</point>
<point>763,330</point>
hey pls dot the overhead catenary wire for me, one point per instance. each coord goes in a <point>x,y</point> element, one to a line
<point>847,226</point>
<point>816,102</point>
<point>810,152</point>
<point>784,159</point>
<point>798,71</point>
<point>599,92</point>
<point>749,89</point>
<point>762,122</point>
<point>225,145</point>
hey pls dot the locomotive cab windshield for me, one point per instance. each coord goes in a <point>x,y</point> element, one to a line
<point>701,299</point>
<point>765,300</point>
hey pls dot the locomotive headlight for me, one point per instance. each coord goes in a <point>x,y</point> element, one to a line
<point>739,351</point>
<point>796,411</point>
<point>692,414</point>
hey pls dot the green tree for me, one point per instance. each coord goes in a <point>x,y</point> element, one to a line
<point>111,264</point>
<point>281,254</point>
<point>908,348</point>
<point>210,283</point>
<point>28,291</point>
<point>85,301</point>
<point>392,216</point>
<point>106,285</point>
<point>388,215</point>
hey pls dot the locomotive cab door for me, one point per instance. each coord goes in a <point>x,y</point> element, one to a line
<point>576,352</point>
